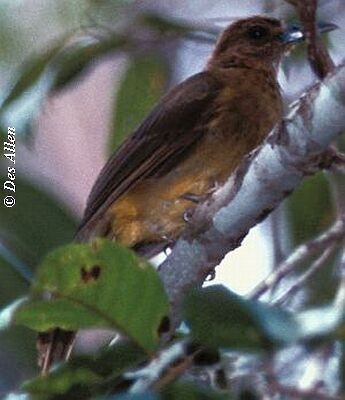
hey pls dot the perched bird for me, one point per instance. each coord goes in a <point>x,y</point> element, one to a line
<point>188,145</point>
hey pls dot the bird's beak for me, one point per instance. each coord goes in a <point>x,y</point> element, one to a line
<point>294,33</point>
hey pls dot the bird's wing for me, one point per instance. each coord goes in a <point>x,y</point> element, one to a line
<point>157,144</point>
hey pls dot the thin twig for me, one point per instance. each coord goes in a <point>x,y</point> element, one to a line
<point>334,234</point>
<point>340,295</point>
<point>276,220</point>
<point>298,283</point>
<point>174,372</point>
<point>318,56</point>
<point>151,374</point>
<point>314,374</point>
<point>295,393</point>
<point>309,388</point>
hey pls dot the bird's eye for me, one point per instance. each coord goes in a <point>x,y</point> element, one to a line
<point>257,32</point>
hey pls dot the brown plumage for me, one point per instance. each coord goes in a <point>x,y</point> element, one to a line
<point>189,144</point>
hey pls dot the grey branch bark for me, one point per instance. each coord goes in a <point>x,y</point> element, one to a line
<point>263,180</point>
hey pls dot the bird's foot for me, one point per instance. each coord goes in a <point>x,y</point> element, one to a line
<point>169,244</point>
<point>188,214</point>
<point>213,188</point>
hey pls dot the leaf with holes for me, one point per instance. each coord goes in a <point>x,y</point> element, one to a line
<point>99,284</point>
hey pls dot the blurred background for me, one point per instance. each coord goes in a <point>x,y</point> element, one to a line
<point>71,108</point>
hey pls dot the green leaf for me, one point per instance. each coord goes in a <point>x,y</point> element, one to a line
<point>108,13</point>
<point>35,225</point>
<point>86,376</point>
<point>8,258</point>
<point>99,284</point>
<point>31,85</point>
<point>176,391</point>
<point>18,344</point>
<point>310,209</point>
<point>135,396</point>
<point>164,25</point>
<point>341,375</point>
<point>143,84</point>
<point>52,70</point>
<point>47,387</point>
<point>31,72</point>
<point>219,317</point>
<point>73,61</point>
<point>19,357</point>
<point>189,391</point>
<point>15,277</point>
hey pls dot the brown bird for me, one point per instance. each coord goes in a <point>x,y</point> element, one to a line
<point>189,144</point>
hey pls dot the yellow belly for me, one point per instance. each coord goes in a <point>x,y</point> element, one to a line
<point>156,208</point>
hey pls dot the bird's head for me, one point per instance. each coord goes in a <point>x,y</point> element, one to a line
<point>258,41</point>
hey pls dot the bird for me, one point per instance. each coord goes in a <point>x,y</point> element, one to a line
<point>188,146</point>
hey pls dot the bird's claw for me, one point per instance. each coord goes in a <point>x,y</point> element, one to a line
<point>194,198</point>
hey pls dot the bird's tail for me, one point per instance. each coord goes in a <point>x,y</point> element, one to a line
<point>54,346</point>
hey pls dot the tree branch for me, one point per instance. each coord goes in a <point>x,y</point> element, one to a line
<point>318,56</point>
<point>295,393</point>
<point>300,281</point>
<point>303,252</point>
<point>262,181</point>
<point>340,295</point>
<point>163,368</point>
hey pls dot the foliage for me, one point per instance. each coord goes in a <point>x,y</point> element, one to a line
<point>97,285</point>
<point>39,222</point>
<point>109,298</point>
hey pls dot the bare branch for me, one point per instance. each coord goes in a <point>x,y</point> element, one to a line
<point>315,372</point>
<point>148,375</point>
<point>340,296</point>
<point>302,253</point>
<point>262,181</point>
<point>303,394</point>
<point>298,283</point>
<point>163,368</point>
